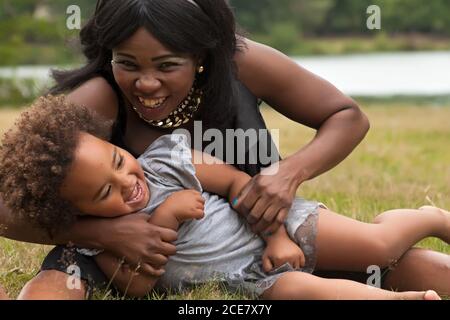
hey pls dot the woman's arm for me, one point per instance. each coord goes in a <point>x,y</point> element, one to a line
<point>306,99</point>
<point>131,237</point>
<point>178,207</point>
<point>309,100</point>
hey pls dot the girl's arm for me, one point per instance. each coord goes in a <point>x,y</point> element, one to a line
<point>180,206</point>
<point>218,177</point>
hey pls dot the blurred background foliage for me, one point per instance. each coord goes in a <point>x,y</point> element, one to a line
<point>35,32</point>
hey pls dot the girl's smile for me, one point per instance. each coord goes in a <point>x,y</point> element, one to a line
<point>104,180</point>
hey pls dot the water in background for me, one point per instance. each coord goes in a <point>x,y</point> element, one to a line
<point>385,74</point>
<point>379,74</point>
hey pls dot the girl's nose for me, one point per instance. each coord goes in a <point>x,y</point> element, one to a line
<point>147,83</point>
<point>124,182</point>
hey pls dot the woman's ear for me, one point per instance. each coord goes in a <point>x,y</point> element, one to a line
<point>200,59</point>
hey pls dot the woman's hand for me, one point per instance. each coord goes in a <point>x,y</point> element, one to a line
<point>140,242</point>
<point>266,199</point>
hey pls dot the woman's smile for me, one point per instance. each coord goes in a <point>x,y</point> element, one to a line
<point>152,108</point>
<point>152,103</point>
<point>154,79</point>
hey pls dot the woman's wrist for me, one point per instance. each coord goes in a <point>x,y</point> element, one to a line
<point>295,170</point>
<point>87,232</point>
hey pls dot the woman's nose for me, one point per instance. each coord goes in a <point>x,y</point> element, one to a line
<point>147,83</point>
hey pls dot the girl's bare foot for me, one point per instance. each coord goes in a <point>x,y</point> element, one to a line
<point>444,235</point>
<point>431,295</point>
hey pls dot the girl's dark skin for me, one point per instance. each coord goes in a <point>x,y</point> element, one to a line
<point>269,75</point>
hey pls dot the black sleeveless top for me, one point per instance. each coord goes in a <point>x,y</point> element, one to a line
<point>247,116</point>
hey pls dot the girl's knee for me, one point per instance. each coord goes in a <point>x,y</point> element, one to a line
<point>290,286</point>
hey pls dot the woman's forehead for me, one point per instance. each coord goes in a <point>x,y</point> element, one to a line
<point>141,40</point>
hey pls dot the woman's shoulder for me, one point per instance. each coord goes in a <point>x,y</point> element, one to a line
<point>98,95</point>
<point>261,68</point>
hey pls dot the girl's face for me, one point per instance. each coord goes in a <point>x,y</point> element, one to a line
<point>104,180</point>
<point>153,79</point>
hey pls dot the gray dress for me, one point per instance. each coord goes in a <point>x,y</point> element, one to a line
<point>220,246</point>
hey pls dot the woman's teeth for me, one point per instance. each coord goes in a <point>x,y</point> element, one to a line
<point>151,103</point>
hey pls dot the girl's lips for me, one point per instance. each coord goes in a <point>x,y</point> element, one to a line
<point>137,194</point>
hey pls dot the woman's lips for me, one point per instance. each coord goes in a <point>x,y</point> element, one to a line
<point>151,103</point>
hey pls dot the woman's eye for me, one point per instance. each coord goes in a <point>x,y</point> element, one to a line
<point>127,64</point>
<point>167,65</point>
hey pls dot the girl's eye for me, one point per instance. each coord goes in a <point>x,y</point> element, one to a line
<point>107,193</point>
<point>121,161</point>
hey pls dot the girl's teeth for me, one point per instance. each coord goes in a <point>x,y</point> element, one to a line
<point>151,103</point>
<point>136,192</point>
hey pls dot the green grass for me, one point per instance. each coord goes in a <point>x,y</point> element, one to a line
<point>402,163</point>
<point>340,45</point>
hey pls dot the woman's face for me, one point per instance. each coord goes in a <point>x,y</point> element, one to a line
<point>153,79</point>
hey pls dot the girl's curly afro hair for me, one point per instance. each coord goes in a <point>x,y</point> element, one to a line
<point>35,156</point>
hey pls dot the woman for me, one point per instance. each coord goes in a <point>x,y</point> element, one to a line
<point>150,59</point>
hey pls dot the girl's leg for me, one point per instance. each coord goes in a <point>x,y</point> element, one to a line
<point>304,286</point>
<point>51,285</point>
<point>346,244</point>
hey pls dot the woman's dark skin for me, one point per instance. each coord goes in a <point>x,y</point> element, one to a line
<point>294,92</point>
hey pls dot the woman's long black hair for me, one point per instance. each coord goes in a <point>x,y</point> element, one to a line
<point>207,29</point>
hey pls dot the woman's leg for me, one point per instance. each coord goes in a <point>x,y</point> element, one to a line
<point>3,295</point>
<point>346,244</point>
<point>420,269</point>
<point>52,285</point>
<point>304,286</point>
<point>65,274</point>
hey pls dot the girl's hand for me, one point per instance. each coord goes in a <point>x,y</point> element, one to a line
<point>140,242</point>
<point>185,204</point>
<point>266,199</point>
<point>280,251</point>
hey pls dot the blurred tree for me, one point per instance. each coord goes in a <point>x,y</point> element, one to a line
<point>280,23</point>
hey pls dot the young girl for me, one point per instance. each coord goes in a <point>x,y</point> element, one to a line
<point>55,166</point>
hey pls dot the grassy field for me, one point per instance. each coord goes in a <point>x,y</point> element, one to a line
<point>402,163</point>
